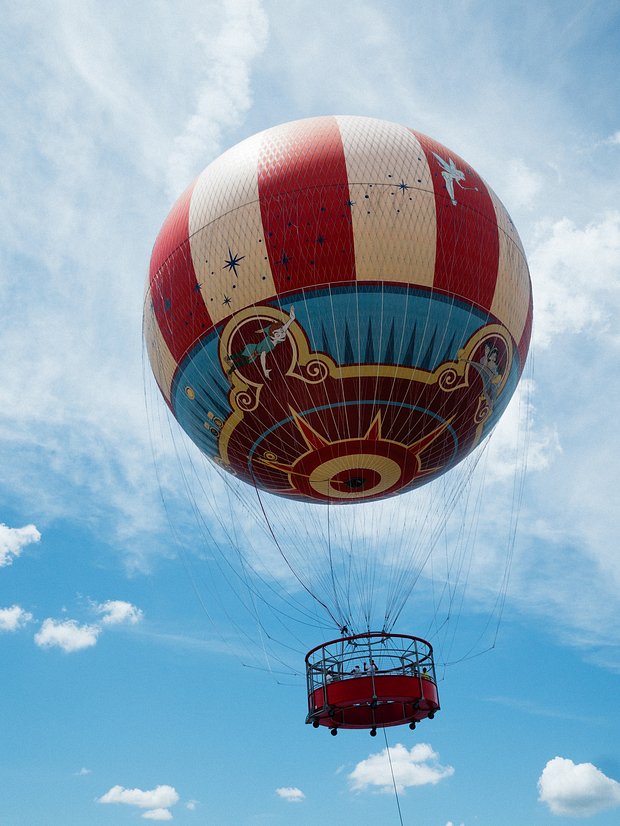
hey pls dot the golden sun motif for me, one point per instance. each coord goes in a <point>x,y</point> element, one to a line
<point>351,469</point>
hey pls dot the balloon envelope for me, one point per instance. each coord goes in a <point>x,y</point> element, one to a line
<point>338,309</point>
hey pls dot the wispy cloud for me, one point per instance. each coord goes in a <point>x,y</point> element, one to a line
<point>227,644</point>
<point>536,710</point>
<point>522,185</point>
<point>223,93</point>
<point>95,139</point>
<point>315,85</point>
<point>575,288</point>
<point>576,789</point>
<point>73,401</point>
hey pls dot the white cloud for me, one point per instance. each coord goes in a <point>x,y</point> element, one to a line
<point>291,793</point>
<point>521,186</point>
<point>83,772</point>
<point>68,635</point>
<point>418,766</point>
<point>519,437</point>
<point>75,416</point>
<point>161,797</point>
<point>117,612</point>
<point>158,814</point>
<point>191,805</point>
<point>614,139</point>
<point>13,540</point>
<point>576,789</point>
<point>224,96</point>
<point>574,274</point>
<point>77,421</point>
<point>13,618</point>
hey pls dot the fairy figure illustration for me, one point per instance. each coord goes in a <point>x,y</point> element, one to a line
<point>489,370</point>
<point>273,335</point>
<point>451,175</point>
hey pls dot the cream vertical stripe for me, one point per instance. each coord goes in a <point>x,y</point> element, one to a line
<point>226,232</point>
<point>162,360</point>
<point>513,288</point>
<point>393,213</point>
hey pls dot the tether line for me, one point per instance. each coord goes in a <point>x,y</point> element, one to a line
<point>387,748</point>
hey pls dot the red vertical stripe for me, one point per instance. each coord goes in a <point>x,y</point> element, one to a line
<point>304,194</point>
<point>467,236</point>
<point>177,301</point>
<point>174,231</point>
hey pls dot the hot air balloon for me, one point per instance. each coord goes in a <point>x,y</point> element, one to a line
<point>338,311</point>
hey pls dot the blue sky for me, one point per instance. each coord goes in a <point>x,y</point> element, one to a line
<point>127,691</point>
